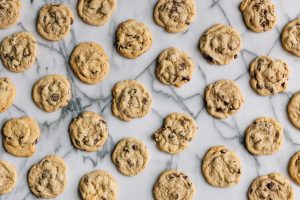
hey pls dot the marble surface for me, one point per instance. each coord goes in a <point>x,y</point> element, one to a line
<point>53,58</point>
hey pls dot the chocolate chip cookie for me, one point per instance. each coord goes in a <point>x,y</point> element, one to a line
<point>7,93</point>
<point>89,62</point>
<point>174,15</point>
<point>18,51</point>
<point>51,92</point>
<point>173,184</point>
<point>176,133</point>
<point>290,37</point>
<point>174,67</point>
<point>259,15</point>
<point>223,98</point>
<point>96,12</point>
<point>48,178</point>
<point>10,13</point>
<point>130,100</point>
<point>264,136</point>
<point>98,185</point>
<point>88,131</point>
<point>54,21</point>
<point>293,110</point>
<point>8,177</point>
<point>220,44</point>
<point>294,167</point>
<point>133,38</point>
<point>20,136</point>
<point>272,186</point>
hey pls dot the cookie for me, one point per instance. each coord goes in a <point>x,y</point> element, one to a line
<point>130,100</point>
<point>8,177</point>
<point>95,12</point>
<point>223,98</point>
<point>174,67</point>
<point>176,133</point>
<point>20,136</point>
<point>294,167</point>
<point>89,62</point>
<point>221,167</point>
<point>10,13</point>
<point>98,185</point>
<point>130,156</point>
<point>272,186</point>
<point>48,179</point>
<point>220,44</point>
<point>259,15</point>
<point>54,21</point>
<point>51,92</point>
<point>268,76</point>
<point>293,110</point>
<point>173,184</point>
<point>174,15</point>
<point>88,131</point>
<point>290,38</point>
<point>133,38</point>
<point>18,51</point>
<point>7,93</point>
<point>264,136</point>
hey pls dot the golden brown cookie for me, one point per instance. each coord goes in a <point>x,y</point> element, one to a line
<point>7,93</point>
<point>294,167</point>
<point>10,13</point>
<point>293,110</point>
<point>8,177</point>
<point>290,38</point>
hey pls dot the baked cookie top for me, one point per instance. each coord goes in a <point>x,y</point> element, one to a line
<point>176,133</point>
<point>48,179</point>
<point>88,131</point>
<point>8,177</point>
<point>98,185</point>
<point>10,13</point>
<point>293,110</point>
<point>174,67</point>
<point>133,38</point>
<point>18,51</point>
<point>20,136</point>
<point>259,15</point>
<point>130,156</point>
<point>174,15</point>
<point>272,186</point>
<point>264,136</point>
<point>130,100</point>
<point>220,44</point>
<point>89,62</point>
<point>51,92</point>
<point>294,167</point>
<point>7,93</point>
<point>54,21</point>
<point>290,38</point>
<point>223,98</point>
<point>173,184</point>
<point>96,12</point>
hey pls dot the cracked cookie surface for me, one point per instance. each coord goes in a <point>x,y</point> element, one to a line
<point>96,12</point>
<point>88,131</point>
<point>259,15</point>
<point>294,167</point>
<point>133,38</point>
<point>20,136</point>
<point>264,136</point>
<point>223,98</point>
<point>268,76</point>
<point>54,21</point>
<point>174,67</point>
<point>98,185</point>
<point>130,100</point>
<point>174,15</point>
<point>221,167</point>
<point>293,110</point>
<point>130,156</point>
<point>51,92</point>
<point>272,186</point>
<point>176,133</point>
<point>8,177</point>
<point>18,51</point>
<point>290,37</point>
<point>10,11</point>
<point>7,93</point>
<point>220,44</point>
<point>89,62</point>
<point>173,184</point>
<point>48,179</point>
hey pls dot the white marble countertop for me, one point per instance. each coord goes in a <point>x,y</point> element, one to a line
<point>53,58</point>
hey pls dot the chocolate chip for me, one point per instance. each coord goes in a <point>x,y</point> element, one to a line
<point>134,147</point>
<point>96,141</point>
<point>235,56</point>
<point>223,151</point>
<point>209,58</point>
<point>55,97</point>
<point>182,66</point>
<point>271,185</point>
<point>185,78</point>
<point>145,101</point>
